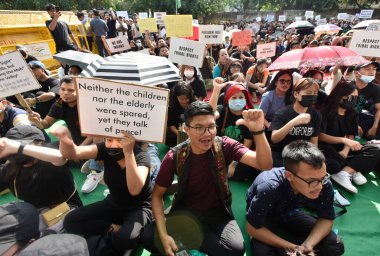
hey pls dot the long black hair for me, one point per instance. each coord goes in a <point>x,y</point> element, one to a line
<point>181,88</point>
<point>272,85</point>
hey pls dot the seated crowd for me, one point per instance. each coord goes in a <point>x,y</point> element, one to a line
<point>299,136</point>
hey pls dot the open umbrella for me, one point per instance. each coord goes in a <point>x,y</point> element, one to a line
<point>327,28</point>
<point>300,25</point>
<point>135,68</point>
<point>314,57</point>
<point>80,59</point>
<point>364,24</point>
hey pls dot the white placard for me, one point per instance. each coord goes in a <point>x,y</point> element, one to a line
<point>366,43</point>
<point>270,17</point>
<point>143,15</point>
<point>187,52</point>
<point>282,18</point>
<point>145,51</point>
<point>298,18</point>
<point>195,22</point>
<point>266,50</point>
<point>318,17</point>
<point>366,14</point>
<point>211,34</point>
<point>258,19</point>
<point>322,22</point>
<point>118,44</point>
<point>122,14</point>
<point>40,50</point>
<point>309,14</point>
<point>159,16</point>
<point>343,16</point>
<point>15,75</point>
<point>373,27</point>
<point>115,107</point>
<point>254,27</point>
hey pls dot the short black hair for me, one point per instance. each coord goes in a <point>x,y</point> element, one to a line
<point>49,7</point>
<point>66,79</point>
<point>95,12</point>
<point>302,151</point>
<point>80,14</point>
<point>197,108</point>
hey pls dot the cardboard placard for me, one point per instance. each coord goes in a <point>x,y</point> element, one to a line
<point>298,18</point>
<point>254,27</point>
<point>366,14</point>
<point>211,34</point>
<point>309,14</point>
<point>241,38</point>
<point>187,52</point>
<point>115,107</point>
<point>147,24</point>
<point>122,14</point>
<point>179,25</point>
<point>266,50</point>
<point>118,44</point>
<point>39,50</point>
<point>15,75</point>
<point>143,15</point>
<point>322,22</point>
<point>282,18</point>
<point>159,16</point>
<point>366,43</point>
<point>373,27</point>
<point>343,16</point>
<point>270,17</point>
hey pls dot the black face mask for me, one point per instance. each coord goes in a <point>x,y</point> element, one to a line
<point>116,153</point>
<point>308,100</point>
<point>20,159</point>
<point>348,103</point>
<point>134,48</point>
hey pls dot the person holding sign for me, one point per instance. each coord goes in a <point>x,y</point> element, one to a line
<point>203,190</point>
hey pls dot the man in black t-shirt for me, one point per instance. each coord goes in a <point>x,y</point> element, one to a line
<point>59,30</point>
<point>369,100</point>
<point>243,54</point>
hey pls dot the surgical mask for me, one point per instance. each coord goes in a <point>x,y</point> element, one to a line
<point>308,100</point>
<point>138,44</point>
<point>189,73</point>
<point>116,153</point>
<point>348,103</point>
<point>367,79</point>
<point>236,104</point>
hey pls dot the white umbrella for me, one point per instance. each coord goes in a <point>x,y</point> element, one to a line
<point>135,68</point>
<point>80,59</point>
<point>364,24</point>
<point>327,28</point>
<point>299,25</point>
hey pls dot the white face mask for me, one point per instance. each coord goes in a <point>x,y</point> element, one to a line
<point>367,79</point>
<point>189,73</point>
<point>138,44</point>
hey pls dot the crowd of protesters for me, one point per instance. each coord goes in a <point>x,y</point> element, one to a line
<point>303,132</point>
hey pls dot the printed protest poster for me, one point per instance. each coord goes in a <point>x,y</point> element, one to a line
<point>211,34</point>
<point>309,14</point>
<point>282,18</point>
<point>123,14</point>
<point>179,25</point>
<point>116,107</point>
<point>241,38</point>
<point>270,17</point>
<point>187,52</point>
<point>266,50</point>
<point>298,18</point>
<point>143,15</point>
<point>343,16</point>
<point>15,75</point>
<point>39,50</point>
<point>366,43</point>
<point>147,24</point>
<point>118,44</point>
<point>159,16</point>
<point>253,27</point>
<point>366,14</point>
<point>373,27</point>
<point>322,22</point>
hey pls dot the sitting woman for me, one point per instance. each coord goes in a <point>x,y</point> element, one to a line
<point>190,76</point>
<point>297,121</point>
<point>277,96</point>
<point>346,158</point>
<point>112,226</point>
<point>34,173</point>
<point>257,77</point>
<point>236,100</point>
<point>231,67</point>
<point>182,95</point>
<point>223,58</point>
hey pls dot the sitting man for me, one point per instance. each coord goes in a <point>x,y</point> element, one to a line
<point>274,200</point>
<point>203,191</point>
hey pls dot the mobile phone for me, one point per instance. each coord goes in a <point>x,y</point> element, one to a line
<point>57,9</point>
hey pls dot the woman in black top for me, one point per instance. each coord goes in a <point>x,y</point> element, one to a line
<point>190,76</point>
<point>112,226</point>
<point>346,158</point>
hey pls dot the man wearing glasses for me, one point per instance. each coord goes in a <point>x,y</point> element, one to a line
<point>274,200</point>
<point>203,190</point>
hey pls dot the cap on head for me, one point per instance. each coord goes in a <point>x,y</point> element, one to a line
<point>25,134</point>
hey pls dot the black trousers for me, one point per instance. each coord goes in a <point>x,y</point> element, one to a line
<point>93,222</point>
<point>221,234</point>
<point>298,226</point>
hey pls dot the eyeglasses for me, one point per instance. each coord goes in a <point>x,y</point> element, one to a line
<point>283,81</point>
<point>200,130</point>
<point>314,183</point>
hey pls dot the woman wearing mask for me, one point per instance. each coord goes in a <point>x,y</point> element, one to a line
<point>223,57</point>
<point>190,76</point>
<point>133,46</point>
<point>297,121</point>
<point>139,45</point>
<point>346,158</point>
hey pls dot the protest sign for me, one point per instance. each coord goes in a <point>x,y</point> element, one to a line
<point>298,18</point>
<point>123,14</point>
<point>143,15</point>
<point>322,22</point>
<point>373,27</point>
<point>39,50</point>
<point>366,43</point>
<point>211,34</point>
<point>254,28</point>
<point>270,17</point>
<point>282,18</point>
<point>145,51</point>
<point>147,24</point>
<point>309,14</point>
<point>318,17</point>
<point>258,19</point>
<point>343,16</point>
<point>195,22</point>
<point>187,52</point>
<point>179,25</point>
<point>241,38</point>
<point>117,107</point>
<point>15,75</point>
<point>159,16</point>
<point>366,14</point>
<point>266,50</point>
<point>118,44</point>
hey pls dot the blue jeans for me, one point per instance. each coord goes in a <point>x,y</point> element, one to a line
<point>155,162</point>
<point>95,166</point>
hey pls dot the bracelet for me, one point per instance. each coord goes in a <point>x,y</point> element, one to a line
<point>259,132</point>
<point>21,148</point>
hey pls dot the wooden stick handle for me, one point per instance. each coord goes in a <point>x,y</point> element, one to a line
<point>25,105</point>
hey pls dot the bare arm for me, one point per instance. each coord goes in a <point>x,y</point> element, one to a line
<point>218,85</point>
<point>280,134</point>
<point>320,230</point>
<point>54,21</point>
<point>46,122</point>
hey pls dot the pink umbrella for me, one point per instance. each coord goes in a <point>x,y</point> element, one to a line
<point>327,28</point>
<point>314,57</point>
